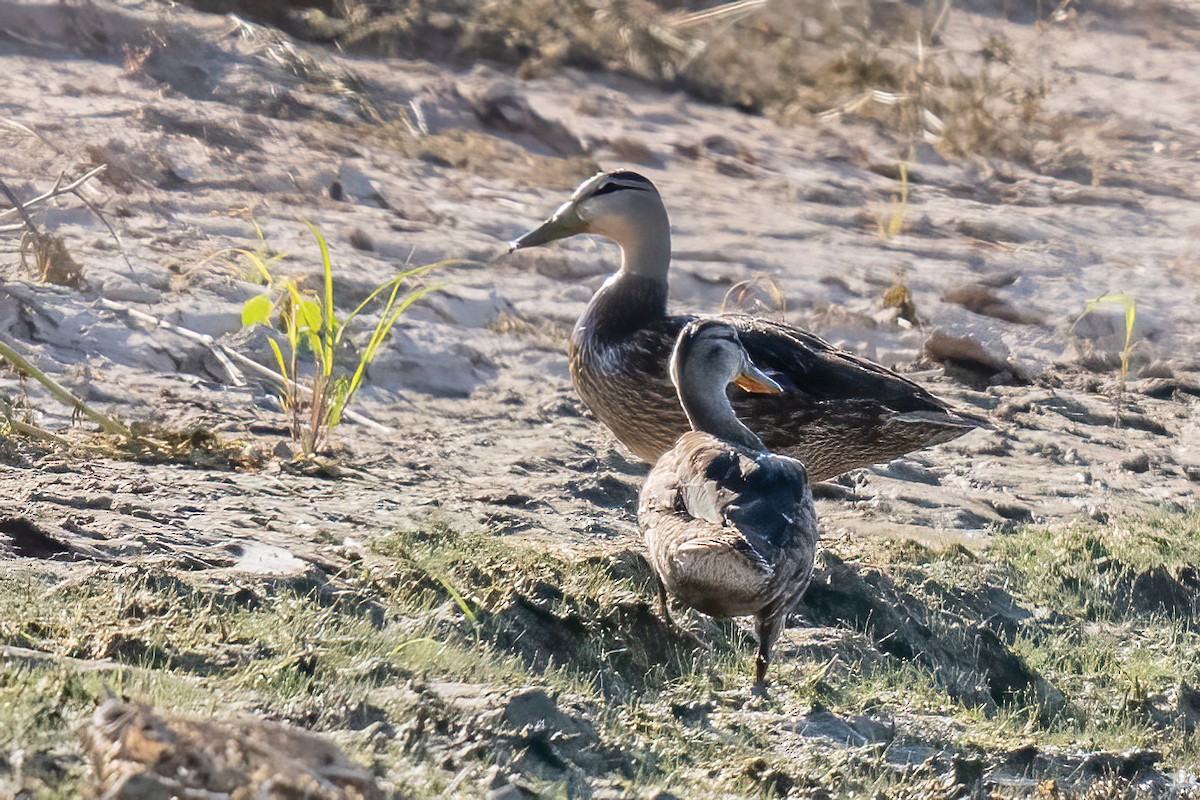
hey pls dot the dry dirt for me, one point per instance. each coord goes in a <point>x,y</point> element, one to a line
<point>207,123</point>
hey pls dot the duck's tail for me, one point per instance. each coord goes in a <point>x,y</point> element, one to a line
<point>942,425</point>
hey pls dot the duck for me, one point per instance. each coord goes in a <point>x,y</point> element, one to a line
<point>836,411</point>
<point>730,527</point>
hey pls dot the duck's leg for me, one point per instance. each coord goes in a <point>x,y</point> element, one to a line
<point>767,626</point>
<point>662,600</point>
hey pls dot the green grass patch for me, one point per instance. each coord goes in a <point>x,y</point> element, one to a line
<point>411,664</point>
<point>1114,571</point>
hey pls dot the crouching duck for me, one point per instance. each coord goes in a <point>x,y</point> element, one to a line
<point>834,411</point>
<point>730,527</point>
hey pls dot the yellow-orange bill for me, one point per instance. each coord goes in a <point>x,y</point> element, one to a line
<point>756,385</point>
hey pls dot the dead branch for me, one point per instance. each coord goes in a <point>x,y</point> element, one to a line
<point>235,375</point>
<point>113,231</point>
<point>59,188</point>
<point>26,429</point>
<point>41,658</point>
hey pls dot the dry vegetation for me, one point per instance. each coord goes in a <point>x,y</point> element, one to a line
<point>791,61</point>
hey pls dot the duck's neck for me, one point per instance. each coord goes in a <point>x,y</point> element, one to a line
<point>708,410</point>
<point>625,303</point>
<point>645,245</point>
<point>637,294</point>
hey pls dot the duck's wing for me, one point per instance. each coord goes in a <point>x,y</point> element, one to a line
<point>764,498</point>
<point>837,411</point>
<point>815,372</point>
<point>769,503</point>
<point>684,501</point>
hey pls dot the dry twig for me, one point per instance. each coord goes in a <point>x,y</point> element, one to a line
<point>64,395</point>
<point>59,188</point>
<point>235,375</point>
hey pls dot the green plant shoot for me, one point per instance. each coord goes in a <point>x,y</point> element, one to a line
<point>310,325</point>
<point>1130,306</point>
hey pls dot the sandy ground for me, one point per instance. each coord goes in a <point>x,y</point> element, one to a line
<point>474,385</point>
<point>208,124</point>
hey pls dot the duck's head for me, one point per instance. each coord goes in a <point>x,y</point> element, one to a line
<point>709,354</point>
<point>622,206</point>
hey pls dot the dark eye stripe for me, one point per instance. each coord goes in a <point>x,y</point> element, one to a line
<point>607,188</point>
<point>613,186</point>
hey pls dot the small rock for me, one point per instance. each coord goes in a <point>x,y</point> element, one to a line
<point>494,779</point>
<point>967,771</point>
<point>983,300</point>
<point>1126,765</point>
<point>692,712</point>
<point>508,792</point>
<point>626,149</point>
<point>1030,402</point>
<point>1139,462</point>
<point>875,730</point>
<point>834,491</point>
<point>357,187</point>
<point>1166,388</point>
<point>903,469</point>
<point>361,240</point>
<point>968,351</point>
<point>1017,512</point>
<point>502,109</point>
<point>533,707</point>
<point>825,725</point>
<point>1022,757</point>
<point>992,229</point>
<point>1157,371</point>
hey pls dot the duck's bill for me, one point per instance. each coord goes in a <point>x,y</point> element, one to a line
<point>564,223</point>
<point>756,381</point>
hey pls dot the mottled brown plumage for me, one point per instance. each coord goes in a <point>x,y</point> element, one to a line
<point>836,412</point>
<point>140,752</point>
<point>730,528</point>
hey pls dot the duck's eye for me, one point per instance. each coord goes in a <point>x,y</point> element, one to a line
<point>608,188</point>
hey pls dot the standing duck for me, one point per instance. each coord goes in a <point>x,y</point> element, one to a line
<point>730,527</point>
<point>834,411</point>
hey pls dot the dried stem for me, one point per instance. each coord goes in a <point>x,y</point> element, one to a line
<point>59,188</point>
<point>64,395</point>
<point>227,355</point>
<point>235,375</point>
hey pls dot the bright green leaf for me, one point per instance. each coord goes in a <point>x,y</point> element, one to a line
<point>314,344</point>
<point>308,315</point>
<point>256,311</point>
